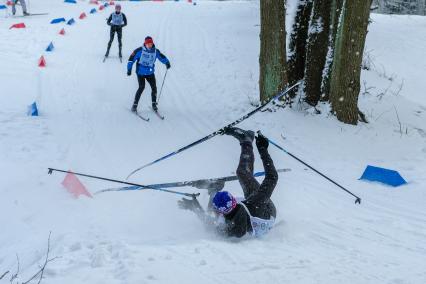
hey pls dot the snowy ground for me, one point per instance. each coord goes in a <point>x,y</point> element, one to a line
<point>142,237</point>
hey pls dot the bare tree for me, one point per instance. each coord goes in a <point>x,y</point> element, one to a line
<point>272,60</point>
<point>317,48</point>
<point>349,47</point>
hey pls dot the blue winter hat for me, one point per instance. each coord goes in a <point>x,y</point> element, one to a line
<point>224,202</point>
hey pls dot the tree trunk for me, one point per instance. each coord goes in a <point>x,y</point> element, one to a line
<point>336,8</point>
<point>297,46</point>
<point>272,60</point>
<point>349,48</point>
<point>317,49</point>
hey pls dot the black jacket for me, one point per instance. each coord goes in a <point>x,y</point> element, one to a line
<point>259,203</point>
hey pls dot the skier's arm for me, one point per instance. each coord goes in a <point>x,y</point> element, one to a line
<point>124,20</point>
<point>109,20</point>
<point>163,59</point>
<point>133,57</point>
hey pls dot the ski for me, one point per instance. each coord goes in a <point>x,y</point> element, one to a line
<point>210,184</point>
<point>31,14</point>
<point>158,114</point>
<point>105,58</point>
<point>219,131</point>
<point>141,117</point>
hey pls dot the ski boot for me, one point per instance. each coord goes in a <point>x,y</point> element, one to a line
<point>134,108</point>
<point>244,136</point>
<point>154,106</point>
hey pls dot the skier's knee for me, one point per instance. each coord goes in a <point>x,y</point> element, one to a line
<point>243,172</point>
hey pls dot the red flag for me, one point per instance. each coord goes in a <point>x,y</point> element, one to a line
<point>94,2</point>
<point>9,3</point>
<point>82,16</point>
<point>42,62</point>
<point>62,32</point>
<point>112,3</point>
<point>74,186</point>
<point>18,26</point>
<point>101,7</point>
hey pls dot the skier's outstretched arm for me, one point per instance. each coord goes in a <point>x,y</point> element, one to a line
<point>133,57</point>
<point>163,59</point>
<point>209,221</point>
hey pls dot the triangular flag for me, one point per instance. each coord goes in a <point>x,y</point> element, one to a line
<point>18,26</point>
<point>82,16</point>
<point>94,2</point>
<point>62,31</point>
<point>9,3</point>
<point>71,22</point>
<point>57,20</point>
<point>32,109</point>
<point>93,11</point>
<point>74,186</point>
<point>101,7</point>
<point>3,7</point>
<point>112,3</point>
<point>382,175</point>
<point>42,62</point>
<point>50,47</point>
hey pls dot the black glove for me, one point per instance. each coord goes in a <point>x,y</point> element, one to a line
<point>129,72</point>
<point>189,204</point>
<point>168,65</point>
<point>224,130</point>
<point>261,141</point>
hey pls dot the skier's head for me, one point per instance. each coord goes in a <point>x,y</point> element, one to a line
<point>224,202</point>
<point>148,42</point>
<point>117,7</point>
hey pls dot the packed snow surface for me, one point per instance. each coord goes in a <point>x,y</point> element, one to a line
<point>85,125</point>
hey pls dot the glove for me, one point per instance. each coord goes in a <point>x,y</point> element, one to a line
<point>189,204</point>
<point>129,72</point>
<point>168,65</point>
<point>261,141</point>
<point>224,130</point>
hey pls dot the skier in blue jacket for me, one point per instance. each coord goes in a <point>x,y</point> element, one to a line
<point>145,57</point>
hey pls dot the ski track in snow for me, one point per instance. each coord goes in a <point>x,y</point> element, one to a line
<point>141,237</point>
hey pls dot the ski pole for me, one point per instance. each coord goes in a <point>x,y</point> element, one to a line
<point>217,132</point>
<point>161,89</point>
<point>194,195</point>
<point>357,200</point>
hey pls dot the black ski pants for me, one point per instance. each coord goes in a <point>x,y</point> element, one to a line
<point>257,196</point>
<point>119,31</point>
<point>152,83</point>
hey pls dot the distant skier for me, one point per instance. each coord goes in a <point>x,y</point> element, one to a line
<point>145,57</point>
<point>23,5</point>
<point>256,213</point>
<point>117,21</point>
